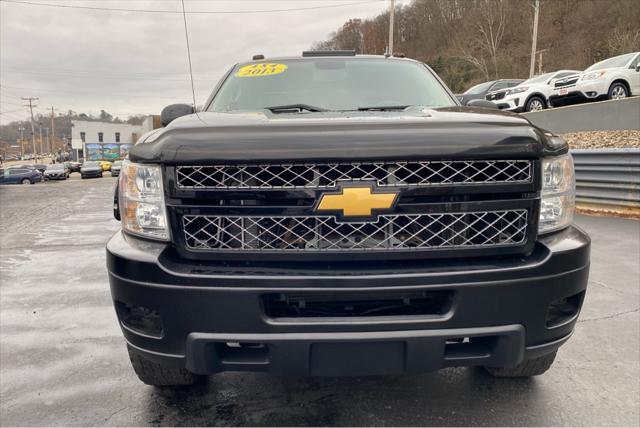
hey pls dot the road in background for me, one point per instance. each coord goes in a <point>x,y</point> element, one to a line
<point>63,359</point>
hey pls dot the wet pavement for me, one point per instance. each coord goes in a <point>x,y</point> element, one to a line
<point>63,359</point>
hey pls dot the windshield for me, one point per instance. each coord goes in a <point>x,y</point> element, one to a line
<point>330,84</point>
<point>117,163</point>
<point>617,61</point>
<point>90,164</point>
<point>479,88</point>
<point>55,166</point>
<point>537,79</point>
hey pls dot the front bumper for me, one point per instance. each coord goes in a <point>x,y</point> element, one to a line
<point>55,176</point>
<point>511,103</point>
<point>580,92</point>
<point>215,320</point>
<point>93,173</point>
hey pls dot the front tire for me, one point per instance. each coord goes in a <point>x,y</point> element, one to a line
<point>156,374</point>
<point>527,368</point>
<point>617,91</point>
<point>535,103</point>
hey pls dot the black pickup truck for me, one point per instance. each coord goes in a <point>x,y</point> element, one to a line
<point>334,214</point>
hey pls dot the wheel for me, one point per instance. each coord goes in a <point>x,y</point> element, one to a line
<point>156,374</point>
<point>25,181</point>
<point>82,176</point>
<point>617,90</point>
<point>535,103</point>
<point>527,368</point>
<point>100,175</point>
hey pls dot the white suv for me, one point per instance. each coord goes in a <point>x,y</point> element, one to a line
<point>613,78</point>
<point>530,95</point>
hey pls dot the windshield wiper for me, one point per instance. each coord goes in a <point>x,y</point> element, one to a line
<point>295,107</point>
<point>383,108</point>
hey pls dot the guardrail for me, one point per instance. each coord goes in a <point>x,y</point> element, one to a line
<point>608,178</point>
<point>616,115</point>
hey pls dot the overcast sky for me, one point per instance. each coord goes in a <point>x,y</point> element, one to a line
<point>135,62</point>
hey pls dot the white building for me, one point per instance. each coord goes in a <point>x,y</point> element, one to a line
<point>93,137</point>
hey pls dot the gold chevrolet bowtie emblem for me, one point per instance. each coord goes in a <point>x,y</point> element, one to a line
<point>356,201</point>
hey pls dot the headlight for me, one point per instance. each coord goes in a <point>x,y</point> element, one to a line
<point>517,90</point>
<point>557,203</point>
<point>594,75</point>
<point>141,199</point>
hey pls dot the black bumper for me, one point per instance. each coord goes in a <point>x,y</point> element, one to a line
<point>213,322</point>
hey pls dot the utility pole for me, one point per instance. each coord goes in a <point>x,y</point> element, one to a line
<point>33,128</point>
<point>534,41</point>
<point>53,131</point>
<point>41,140</point>
<point>21,129</point>
<point>391,16</point>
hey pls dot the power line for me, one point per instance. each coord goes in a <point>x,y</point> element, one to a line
<point>222,12</point>
<point>10,111</point>
<point>97,76</point>
<point>93,94</point>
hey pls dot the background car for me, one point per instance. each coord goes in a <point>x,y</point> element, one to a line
<point>479,91</point>
<point>91,169</point>
<point>106,165</point>
<point>530,95</point>
<point>56,171</point>
<point>73,166</point>
<point>115,168</point>
<point>20,176</point>
<point>613,78</point>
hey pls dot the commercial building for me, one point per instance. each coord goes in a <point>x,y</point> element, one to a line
<point>105,140</point>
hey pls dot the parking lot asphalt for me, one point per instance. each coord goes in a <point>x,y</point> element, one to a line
<point>63,359</point>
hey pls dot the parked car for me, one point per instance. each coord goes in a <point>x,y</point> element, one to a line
<point>73,166</point>
<point>40,167</point>
<point>479,91</point>
<point>56,171</point>
<point>91,169</point>
<point>20,176</point>
<point>613,78</point>
<point>106,165</point>
<point>405,235</point>
<point>115,168</point>
<point>530,95</point>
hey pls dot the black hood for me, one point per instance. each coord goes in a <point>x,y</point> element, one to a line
<point>453,133</point>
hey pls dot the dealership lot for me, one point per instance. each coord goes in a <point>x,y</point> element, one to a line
<point>63,360</point>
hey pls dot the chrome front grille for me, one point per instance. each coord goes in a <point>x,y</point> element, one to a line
<point>324,234</point>
<point>565,82</point>
<point>328,175</point>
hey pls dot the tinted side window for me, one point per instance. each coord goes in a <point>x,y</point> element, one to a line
<point>501,85</point>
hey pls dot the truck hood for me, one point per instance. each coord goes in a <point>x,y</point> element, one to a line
<point>418,133</point>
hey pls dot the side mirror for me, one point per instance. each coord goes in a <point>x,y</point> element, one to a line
<point>482,104</point>
<point>174,111</point>
<point>638,67</point>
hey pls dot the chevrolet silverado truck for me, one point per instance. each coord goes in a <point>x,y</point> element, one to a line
<point>336,214</point>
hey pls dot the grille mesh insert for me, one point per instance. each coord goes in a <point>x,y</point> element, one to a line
<point>324,233</point>
<point>320,176</point>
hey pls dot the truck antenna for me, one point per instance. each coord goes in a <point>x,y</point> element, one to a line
<point>186,35</point>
